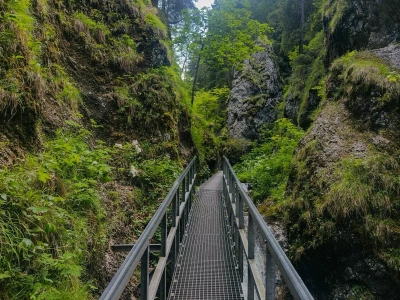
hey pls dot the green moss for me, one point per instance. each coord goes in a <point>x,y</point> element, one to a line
<point>308,70</point>
<point>362,71</point>
<point>94,26</point>
<point>65,90</point>
<point>153,98</point>
<point>392,256</point>
<point>334,11</point>
<point>360,195</point>
<point>155,21</point>
<point>360,292</point>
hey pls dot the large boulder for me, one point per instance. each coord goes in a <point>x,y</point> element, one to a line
<point>255,95</point>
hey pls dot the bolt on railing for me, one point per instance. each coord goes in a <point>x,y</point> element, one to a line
<point>235,200</point>
<point>178,203</point>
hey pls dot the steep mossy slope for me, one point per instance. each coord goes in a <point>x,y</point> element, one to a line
<point>89,59</point>
<point>343,192</point>
<point>94,127</point>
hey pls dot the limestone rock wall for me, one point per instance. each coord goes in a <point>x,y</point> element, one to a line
<point>255,95</point>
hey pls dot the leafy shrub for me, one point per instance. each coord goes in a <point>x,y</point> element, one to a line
<point>208,124</point>
<point>45,206</point>
<point>267,166</point>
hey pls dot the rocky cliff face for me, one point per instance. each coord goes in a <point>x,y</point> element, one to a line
<point>82,60</point>
<point>361,24</point>
<point>255,95</point>
<point>344,191</point>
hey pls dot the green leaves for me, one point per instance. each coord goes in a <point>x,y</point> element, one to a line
<point>5,275</point>
<point>50,228</point>
<point>232,35</point>
<point>44,204</point>
<point>42,176</point>
<point>26,242</point>
<point>267,166</point>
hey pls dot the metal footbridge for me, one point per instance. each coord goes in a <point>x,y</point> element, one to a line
<point>207,247</point>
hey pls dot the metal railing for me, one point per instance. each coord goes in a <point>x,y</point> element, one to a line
<point>173,210</point>
<point>235,200</point>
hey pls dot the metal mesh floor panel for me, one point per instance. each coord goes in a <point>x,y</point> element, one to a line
<point>206,267</point>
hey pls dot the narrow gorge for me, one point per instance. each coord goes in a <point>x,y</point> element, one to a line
<point>103,102</point>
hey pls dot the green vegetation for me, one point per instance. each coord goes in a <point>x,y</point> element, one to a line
<point>232,35</point>
<point>360,194</point>
<point>267,165</point>
<point>78,60</point>
<point>52,218</point>
<point>153,99</point>
<point>215,42</point>
<point>307,72</point>
<point>361,72</point>
<point>154,21</point>
<point>208,124</point>
<point>55,59</point>
<point>334,11</point>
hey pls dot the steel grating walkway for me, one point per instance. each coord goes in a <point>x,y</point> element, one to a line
<point>206,267</point>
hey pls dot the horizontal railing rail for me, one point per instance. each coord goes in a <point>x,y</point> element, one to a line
<point>235,200</point>
<point>177,203</point>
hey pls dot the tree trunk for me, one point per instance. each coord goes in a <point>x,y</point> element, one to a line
<point>301,26</point>
<point>196,72</point>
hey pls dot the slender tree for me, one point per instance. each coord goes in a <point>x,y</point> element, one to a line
<point>301,42</point>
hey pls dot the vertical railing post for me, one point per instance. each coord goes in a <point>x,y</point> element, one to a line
<point>233,191</point>
<point>229,181</point>
<point>250,283</point>
<point>174,253</point>
<point>240,259</point>
<point>144,275</point>
<point>237,244</point>
<point>175,214</point>
<point>251,244</point>
<point>269,276</point>
<point>232,222</point>
<point>237,193</point>
<point>164,230</point>
<point>174,208</point>
<point>183,189</point>
<point>164,234</point>
<point>251,237</point>
<point>163,285</point>
<point>223,183</point>
<point>182,221</point>
<point>189,204</point>
<point>240,211</point>
<point>187,182</point>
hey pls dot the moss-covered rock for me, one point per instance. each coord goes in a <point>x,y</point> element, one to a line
<point>255,96</point>
<point>343,192</point>
<point>361,24</point>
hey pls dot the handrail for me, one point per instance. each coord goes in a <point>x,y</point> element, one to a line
<point>234,192</point>
<point>169,241</point>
